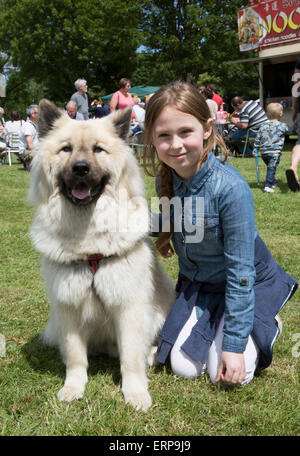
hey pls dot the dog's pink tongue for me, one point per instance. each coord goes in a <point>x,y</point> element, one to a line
<point>81,193</point>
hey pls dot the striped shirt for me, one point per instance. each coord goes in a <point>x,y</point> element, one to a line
<point>252,114</point>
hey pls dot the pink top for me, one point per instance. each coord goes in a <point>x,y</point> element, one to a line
<point>122,101</point>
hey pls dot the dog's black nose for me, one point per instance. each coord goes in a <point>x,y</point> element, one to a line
<point>81,168</point>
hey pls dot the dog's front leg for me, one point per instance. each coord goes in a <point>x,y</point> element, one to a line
<point>134,346</point>
<point>73,348</point>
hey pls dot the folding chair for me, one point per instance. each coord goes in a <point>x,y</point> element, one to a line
<point>12,146</point>
<point>248,140</point>
<point>136,142</point>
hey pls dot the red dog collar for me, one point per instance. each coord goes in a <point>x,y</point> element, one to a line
<point>93,261</point>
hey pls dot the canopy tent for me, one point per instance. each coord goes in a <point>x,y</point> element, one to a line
<point>140,91</point>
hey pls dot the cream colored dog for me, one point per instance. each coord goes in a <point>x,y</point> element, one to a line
<point>107,290</point>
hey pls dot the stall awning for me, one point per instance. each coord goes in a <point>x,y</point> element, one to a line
<point>260,59</point>
<point>140,91</point>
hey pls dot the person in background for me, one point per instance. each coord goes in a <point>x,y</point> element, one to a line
<point>14,124</point>
<point>269,141</point>
<point>216,97</point>
<point>122,98</point>
<point>139,112</point>
<point>80,97</point>
<point>213,107</point>
<point>246,115</point>
<point>292,173</point>
<point>97,110</point>
<point>29,138</point>
<point>72,111</point>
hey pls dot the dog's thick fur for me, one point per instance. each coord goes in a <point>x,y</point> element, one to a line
<point>77,177</point>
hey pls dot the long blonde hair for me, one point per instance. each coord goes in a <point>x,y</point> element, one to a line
<point>186,98</point>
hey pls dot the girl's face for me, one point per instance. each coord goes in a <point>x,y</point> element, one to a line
<point>178,139</point>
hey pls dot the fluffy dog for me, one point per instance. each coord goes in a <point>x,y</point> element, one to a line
<point>107,290</point>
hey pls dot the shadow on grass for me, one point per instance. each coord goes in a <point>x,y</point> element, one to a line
<point>282,186</point>
<point>45,359</point>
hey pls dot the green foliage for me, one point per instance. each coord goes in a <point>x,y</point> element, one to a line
<point>53,42</point>
<point>192,40</point>
<point>58,41</point>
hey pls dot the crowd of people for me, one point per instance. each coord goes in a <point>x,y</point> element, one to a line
<point>77,108</point>
<point>248,120</point>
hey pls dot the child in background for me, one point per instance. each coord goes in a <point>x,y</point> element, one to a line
<point>269,141</point>
<point>230,289</point>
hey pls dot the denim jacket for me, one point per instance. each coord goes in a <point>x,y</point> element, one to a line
<point>225,233</point>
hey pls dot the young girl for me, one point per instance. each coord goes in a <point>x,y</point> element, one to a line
<point>230,288</point>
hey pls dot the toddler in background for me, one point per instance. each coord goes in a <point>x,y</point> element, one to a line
<point>270,140</point>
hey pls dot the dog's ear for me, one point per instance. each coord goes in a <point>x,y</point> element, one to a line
<point>121,121</point>
<point>48,114</point>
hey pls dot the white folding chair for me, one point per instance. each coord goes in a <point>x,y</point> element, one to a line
<point>12,146</point>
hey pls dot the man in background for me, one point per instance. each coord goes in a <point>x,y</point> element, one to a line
<point>247,115</point>
<point>80,97</point>
<point>29,137</point>
<point>72,111</point>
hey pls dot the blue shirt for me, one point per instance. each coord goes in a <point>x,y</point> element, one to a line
<point>225,215</point>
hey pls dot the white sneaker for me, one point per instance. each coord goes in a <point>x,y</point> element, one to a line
<point>269,190</point>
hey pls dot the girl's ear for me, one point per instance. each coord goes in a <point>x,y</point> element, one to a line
<point>208,129</point>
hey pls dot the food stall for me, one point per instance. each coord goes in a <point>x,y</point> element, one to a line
<point>272,28</point>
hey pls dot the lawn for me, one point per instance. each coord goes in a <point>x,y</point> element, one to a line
<point>31,374</point>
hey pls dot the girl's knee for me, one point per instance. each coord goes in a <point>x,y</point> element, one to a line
<point>183,365</point>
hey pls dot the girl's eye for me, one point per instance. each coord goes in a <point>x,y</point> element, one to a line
<point>163,135</point>
<point>186,131</point>
<point>67,148</point>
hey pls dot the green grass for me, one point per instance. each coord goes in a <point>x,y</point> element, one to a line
<point>31,374</point>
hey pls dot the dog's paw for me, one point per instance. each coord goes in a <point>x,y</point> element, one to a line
<point>140,401</point>
<point>70,393</point>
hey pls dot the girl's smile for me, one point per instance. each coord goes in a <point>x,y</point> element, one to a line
<point>178,139</point>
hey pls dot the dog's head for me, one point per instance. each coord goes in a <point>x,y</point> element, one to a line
<point>78,159</point>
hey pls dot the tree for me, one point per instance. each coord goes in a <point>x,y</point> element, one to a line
<point>53,42</point>
<point>187,38</point>
<point>57,41</point>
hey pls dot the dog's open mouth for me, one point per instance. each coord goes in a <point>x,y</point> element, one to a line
<point>82,193</point>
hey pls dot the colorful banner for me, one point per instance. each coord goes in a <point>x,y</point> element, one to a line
<point>269,23</point>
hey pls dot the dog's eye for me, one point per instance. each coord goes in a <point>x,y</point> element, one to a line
<point>67,149</point>
<point>97,149</point>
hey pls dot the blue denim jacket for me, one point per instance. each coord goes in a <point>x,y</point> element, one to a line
<point>226,252</point>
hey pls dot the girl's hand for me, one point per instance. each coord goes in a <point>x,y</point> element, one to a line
<point>232,368</point>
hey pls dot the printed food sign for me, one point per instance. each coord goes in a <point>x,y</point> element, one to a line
<point>269,23</point>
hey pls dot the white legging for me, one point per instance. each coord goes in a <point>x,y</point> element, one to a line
<point>184,365</point>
